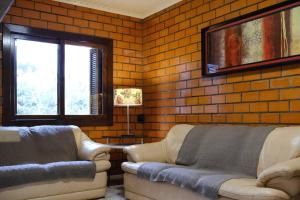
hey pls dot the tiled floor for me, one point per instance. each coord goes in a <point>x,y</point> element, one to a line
<point>114,193</point>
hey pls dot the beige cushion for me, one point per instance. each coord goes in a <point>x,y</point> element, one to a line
<point>281,145</point>
<point>174,140</point>
<point>150,152</point>
<point>102,165</point>
<point>65,187</point>
<point>246,189</point>
<point>131,167</point>
<point>88,149</point>
<point>284,176</point>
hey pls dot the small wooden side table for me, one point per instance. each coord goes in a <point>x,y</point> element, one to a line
<point>117,155</point>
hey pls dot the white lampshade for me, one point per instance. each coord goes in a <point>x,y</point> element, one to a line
<point>128,97</point>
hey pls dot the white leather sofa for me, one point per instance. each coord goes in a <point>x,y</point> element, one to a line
<point>278,171</point>
<point>76,189</point>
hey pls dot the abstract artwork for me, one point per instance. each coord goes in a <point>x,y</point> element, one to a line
<point>261,39</point>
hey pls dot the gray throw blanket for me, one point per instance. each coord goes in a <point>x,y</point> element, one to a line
<point>209,156</point>
<point>44,153</point>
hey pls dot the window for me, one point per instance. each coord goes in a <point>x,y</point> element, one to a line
<point>54,77</point>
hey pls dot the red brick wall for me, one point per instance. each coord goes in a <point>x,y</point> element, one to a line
<point>162,54</point>
<point>125,31</point>
<point>175,91</point>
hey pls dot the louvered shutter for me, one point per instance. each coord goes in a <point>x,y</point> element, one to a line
<point>95,81</point>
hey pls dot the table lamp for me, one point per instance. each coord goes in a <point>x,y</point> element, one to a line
<point>128,97</point>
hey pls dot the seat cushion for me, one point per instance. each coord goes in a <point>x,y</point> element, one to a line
<point>246,189</point>
<point>71,189</point>
<point>242,189</point>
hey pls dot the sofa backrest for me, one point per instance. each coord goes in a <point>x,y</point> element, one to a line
<point>282,144</point>
<point>40,144</point>
<point>174,140</point>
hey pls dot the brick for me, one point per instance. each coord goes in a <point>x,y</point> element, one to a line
<point>222,10</point>
<point>65,20</point>
<point>260,85</point>
<point>250,96</point>
<point>197,109</point>
<point>238,5</point>
<point>15,11</point>
<point>225,108</point>
<point>241,107</point>
<point>259,107</point>
<point>293,69</point>
<point>218,99</point>
<point>197,91</point>
<point>290,118</point>
<point>278,106</point>
<point>49,17</point>
<point>269,95</point>
<point>210,108</point>
<point>59,10</point>
<point>232,98</point>
<point>228,88</point>
<point>81,23</point>
<point>279,83</point>
<point>270,118</point>
<point>38,23</point>
<point>75,13</point>
<point>211,90</point>
<point>291,93</point>
<point>240,87</point>
<point>20,20</point>
<point>234,118</point>
<point>204,100</point>
<point>192,101</point>
<point>73,29</point>
<point>90,16</point>
<point>56,26</point>
<point>251,118</point>
<point>249,9</point>
<point>205,118</point>
<point>208,16</point>
<point>295,105</point>
<point>25,4</point>
<point>219,118</point>
<point>42,7</point>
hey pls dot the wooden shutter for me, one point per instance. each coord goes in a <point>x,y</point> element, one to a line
<point>94,89</point>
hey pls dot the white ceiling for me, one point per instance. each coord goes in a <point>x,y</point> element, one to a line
<point>134,8</point>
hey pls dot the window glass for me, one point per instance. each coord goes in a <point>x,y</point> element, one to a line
<point>36,81</point>
<point>82,94</point>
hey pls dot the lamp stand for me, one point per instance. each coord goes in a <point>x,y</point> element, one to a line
<point>128,119</point>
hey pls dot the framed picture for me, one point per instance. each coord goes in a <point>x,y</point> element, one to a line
<point>267,37</point>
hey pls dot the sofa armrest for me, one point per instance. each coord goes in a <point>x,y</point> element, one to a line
<point>284,176</point>
<point>150,152</point>
<point>90,150</point>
